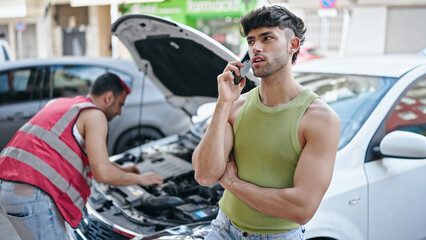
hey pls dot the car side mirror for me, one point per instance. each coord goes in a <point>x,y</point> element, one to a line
<point>403,144</point>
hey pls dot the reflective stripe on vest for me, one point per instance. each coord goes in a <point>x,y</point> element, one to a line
<point>52,139</point>
<point>66,119</point>
<point>45,169</point>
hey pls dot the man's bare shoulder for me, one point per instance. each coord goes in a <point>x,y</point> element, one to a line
<point>320,114</point>
<point>236,107</point>
<point>92,114</point>
<point>241,100</point>
<point>91,117</point>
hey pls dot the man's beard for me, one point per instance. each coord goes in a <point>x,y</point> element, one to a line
<point>272,67</point>
<point>109,116</point>
<point>109,112</point>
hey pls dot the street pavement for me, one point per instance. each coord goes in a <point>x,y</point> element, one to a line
<point>7,232</point>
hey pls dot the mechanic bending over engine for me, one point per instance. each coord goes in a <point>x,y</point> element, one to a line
<point>273,148</point>
<point>47,167</point>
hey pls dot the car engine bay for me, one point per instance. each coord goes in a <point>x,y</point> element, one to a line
<point>145,210</point>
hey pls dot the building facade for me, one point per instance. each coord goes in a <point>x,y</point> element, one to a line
<point>364,27</point>
<point>216,18</point>
<point>45,28</point>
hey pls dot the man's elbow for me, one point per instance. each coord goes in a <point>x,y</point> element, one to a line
<point>303,219</point>
<point>201,176</point>
<point>304,215</point>
<point>101,179</point>
<point>203,180</point>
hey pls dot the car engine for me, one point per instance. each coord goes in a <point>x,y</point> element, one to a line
<point>145,210</point>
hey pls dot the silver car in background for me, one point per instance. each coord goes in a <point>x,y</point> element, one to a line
<point>26,85</point>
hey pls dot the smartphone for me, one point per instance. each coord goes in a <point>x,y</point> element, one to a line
<point>244,70</point>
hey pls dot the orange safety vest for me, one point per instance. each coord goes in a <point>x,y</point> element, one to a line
<point>44,153</point>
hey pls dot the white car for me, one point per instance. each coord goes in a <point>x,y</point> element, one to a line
<point>378,190</point>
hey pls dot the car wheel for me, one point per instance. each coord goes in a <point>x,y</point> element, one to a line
<point>136,137</point>
<point>322,238</point>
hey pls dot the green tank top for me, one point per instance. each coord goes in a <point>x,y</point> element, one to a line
<point>266,150</point>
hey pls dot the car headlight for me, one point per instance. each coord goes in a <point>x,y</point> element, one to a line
<point>195,231</point>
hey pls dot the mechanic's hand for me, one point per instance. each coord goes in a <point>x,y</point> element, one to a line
<point>231,173</point>
<point>228,91</point>
<point>148,179</point>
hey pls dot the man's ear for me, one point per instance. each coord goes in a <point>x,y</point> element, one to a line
<point>294,44</point>
<point>109,98</point>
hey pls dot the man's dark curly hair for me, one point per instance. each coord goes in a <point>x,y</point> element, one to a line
<point>274,16</point>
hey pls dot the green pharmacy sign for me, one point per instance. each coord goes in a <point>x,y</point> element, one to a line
<point>187,11</point>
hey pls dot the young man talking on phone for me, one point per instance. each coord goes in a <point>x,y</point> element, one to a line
<point>272,149</point>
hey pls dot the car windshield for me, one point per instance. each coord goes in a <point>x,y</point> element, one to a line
<point>353,97</point>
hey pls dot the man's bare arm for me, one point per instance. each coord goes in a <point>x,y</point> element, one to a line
<point>210,157</point>
<point>95,131</point>
<point>312,176</point>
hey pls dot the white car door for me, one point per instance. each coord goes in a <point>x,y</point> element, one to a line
<point>397,185</point>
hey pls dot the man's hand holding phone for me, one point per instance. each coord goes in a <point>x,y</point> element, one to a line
<point>230,88</point>
<point>244,70</point>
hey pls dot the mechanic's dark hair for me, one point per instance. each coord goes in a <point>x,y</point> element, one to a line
<point>274,16</point>
<point>108,82</point>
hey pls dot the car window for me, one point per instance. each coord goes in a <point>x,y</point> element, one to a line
<point>73,80</point>
<point>410,112</point>
<point>352,97</point>
<point>18,85</point>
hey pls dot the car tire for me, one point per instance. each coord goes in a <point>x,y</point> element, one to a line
<point>136,137</point>
<point>322,238</point>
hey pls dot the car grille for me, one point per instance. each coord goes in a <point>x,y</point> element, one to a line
<point>97,230</point>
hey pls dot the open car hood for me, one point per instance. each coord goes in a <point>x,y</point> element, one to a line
<point>181,61</point>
